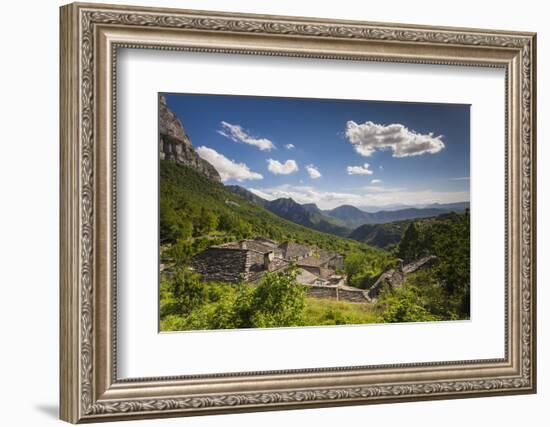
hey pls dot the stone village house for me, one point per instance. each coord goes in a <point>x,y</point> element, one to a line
<point>249,259</point>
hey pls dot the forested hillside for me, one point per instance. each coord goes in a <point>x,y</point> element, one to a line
<point>197,211</point>
<point>307,215</point>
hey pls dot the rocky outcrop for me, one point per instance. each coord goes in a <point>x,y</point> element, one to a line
<point>175,145</point>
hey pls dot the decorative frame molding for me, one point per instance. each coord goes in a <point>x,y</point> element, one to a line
<point>90,36</point>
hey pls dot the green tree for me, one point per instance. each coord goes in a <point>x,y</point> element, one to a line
<point>353,263</point>
<point>174,224</point>
<point>432,296</point>
<point>188,292</point>
<point>181,252</point>
<point>228,222</point>
<point>207,222</point>
<point>277,301</point>
<point>410,247</point>
<point>403,305</point>
<point>453,267</point>
<point>244,229</point>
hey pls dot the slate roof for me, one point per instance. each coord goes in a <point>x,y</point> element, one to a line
<point>312,262</point>
<point>293,250</point>
<point>249,244</point>
<point>306,278</point>
<point>415,265</point>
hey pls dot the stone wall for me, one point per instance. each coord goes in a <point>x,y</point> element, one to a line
<point>254,261</point>
<point>336,262</point>
<point>222,264</point>
<point>337,292</point>
<point>352,295</point>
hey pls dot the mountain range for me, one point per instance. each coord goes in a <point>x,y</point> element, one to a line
<point>354,217</point>
<point>345,221</point>
<point>307,215</point>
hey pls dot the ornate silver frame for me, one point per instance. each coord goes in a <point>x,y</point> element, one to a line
<point>90,36</point>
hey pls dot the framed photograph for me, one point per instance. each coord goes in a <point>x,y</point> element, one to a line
<point>266,213</point>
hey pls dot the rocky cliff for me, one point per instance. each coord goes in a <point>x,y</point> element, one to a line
<point>175,145</point>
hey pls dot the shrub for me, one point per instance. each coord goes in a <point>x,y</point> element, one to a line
<point>278,301</point>
<point>403,305</point>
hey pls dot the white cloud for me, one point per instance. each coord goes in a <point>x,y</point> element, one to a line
<point>375,188</point>
<point>306,194</point>
<point>290,146</point>
<point>278,168</point>
<point>263,194</point>
<point>313,172</point>
<point>238,134</point>
<point>359,170</point>
<point>370,196</point>
<point>228,169</point>
<point>376,181</point>
<point>370,137</point>
<point>462,178</point>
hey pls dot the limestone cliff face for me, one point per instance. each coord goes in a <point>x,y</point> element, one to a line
<point>175,145</point>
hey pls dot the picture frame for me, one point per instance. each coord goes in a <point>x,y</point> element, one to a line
<point>91,36</point>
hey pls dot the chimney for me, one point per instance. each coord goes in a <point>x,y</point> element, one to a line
<point>268,260</point>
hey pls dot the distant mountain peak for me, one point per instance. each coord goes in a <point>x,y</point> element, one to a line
<point>247,194</point>
<point>310,205</point>
<point>308,215</point>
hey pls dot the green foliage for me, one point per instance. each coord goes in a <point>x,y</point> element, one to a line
<point>444,289</point>
<point>410,247</point>
<point>188,292</point>
<point>423,298</point>
<point>434,297</point>
<point>452,248</point>
<point>207,222</point>
<point>365,266</point>
<point>174,224</point>
<point>319,312</point>
<point>383,235</point>
<point>181,252</point>
<point>403,305</point>
<point>448,238</point>
<point>186,303</point>
<point>277,301</point>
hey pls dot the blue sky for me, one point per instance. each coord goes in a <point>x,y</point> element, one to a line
<point>333,152</point>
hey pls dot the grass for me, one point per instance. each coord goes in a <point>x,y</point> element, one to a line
<point>320,312</point>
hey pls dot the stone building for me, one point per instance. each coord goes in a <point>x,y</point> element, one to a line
<point>295,251</point>
<point>245,260</point>
<point>316,266</point>
<point>395,278</point>
<point>334,260</point>
<point>249,259</point>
